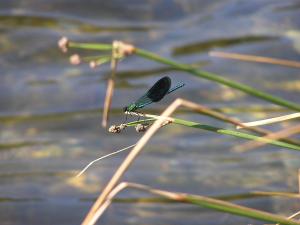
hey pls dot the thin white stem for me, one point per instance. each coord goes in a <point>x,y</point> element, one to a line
<point>254,58</point>
<point>271,120</point>
<point>272,136</point>
<point>102,157</point>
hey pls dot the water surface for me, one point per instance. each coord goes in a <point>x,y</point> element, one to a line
<point>50,111</point>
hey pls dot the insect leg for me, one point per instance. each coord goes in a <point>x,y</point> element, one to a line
<point>124,121</point>
<point>138,116</point>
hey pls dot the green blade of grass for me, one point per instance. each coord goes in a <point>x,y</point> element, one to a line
<point>91,46</point>
<point>237,209</point>
<point>216,204</point>
<point>234,133</point>
<point>233,197</point>
<point>133,123</point>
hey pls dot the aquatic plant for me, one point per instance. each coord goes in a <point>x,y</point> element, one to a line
<point>120,51</point>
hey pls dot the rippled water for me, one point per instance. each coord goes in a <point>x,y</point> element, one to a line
<point>50,111</point>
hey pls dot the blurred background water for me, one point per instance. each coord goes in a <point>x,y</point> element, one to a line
<point>50,111</point>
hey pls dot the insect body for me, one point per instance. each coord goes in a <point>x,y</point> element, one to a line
<point>159,90</point>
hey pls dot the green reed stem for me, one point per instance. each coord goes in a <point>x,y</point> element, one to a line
<point>133,123</point>
<point>236,134</point>
<point>225,132</point>
<point>219,205</point>
<point>230,197</point>
<point>196,72</point>
<point>237,210</point>
<point>214,77</point>
<point>91,46</point>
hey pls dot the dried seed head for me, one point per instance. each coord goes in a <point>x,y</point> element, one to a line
<point>93,64</point>
<point>166,123</point>
<point>114,129</point>
<point>127,49</point>
<point>121,49</point>
<point>142,127</point>
<point>75,59</point>
<point>63,44</point>
<point>123,126</point>
<point>117,129</point>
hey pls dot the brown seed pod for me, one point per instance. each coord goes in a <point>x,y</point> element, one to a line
<point>142,127</point>
<point>116,128</point>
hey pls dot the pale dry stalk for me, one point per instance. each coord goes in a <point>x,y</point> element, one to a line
<point>254,58</point>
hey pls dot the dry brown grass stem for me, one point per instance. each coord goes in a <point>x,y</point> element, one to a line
<point>107,101</point>
<point>124,185</point>
<point>110,84</point>
<point>92,215</point>
<point>272,136</point>
<point>108,201</point>
<point>270,120</point>
<point>299,181</point>
<point>294,215</point>
<point>175,196</point>
<point>254,58</point>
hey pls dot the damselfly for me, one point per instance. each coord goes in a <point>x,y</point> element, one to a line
<point>159,90</point>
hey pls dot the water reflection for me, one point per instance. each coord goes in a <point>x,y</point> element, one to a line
<point>50,111</point>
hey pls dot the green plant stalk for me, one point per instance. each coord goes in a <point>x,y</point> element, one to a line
<point>224,131</point>
<point>237,210</point>
<point>233,197</point>
<point>235,134</point>
<point>218,205</point>
<point>258,194</point>
<point>214,77</point>
<point>106,58</point>
<point>196,72</point>
<point>90,46</point>
<point>152,200</point>
<point>133,123</point>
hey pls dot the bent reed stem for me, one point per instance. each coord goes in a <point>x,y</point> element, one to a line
<point>219,130</point>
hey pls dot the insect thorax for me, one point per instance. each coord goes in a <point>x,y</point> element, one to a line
<point>130,108</point>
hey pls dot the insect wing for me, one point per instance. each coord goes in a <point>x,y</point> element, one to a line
<point>143,101</point>
<point>155,93</point>
<point>159,89</point>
